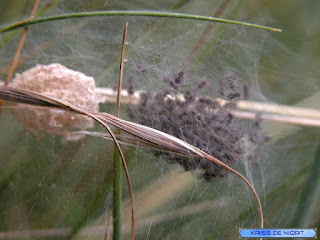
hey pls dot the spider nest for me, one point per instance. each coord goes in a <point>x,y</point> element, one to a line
<point>200,121</point>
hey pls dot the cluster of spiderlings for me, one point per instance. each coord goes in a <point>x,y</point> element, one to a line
<point>200,121</point>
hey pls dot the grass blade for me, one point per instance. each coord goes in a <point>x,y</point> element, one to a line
<point>117,172</point>
<point>131,13</point>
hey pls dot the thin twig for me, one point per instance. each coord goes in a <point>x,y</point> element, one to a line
<point>302,121</point>
<point>275,108</point>
<point>123,50</point>
<point>16,57</point>
<point>20,45</point>
<point>19,49</point>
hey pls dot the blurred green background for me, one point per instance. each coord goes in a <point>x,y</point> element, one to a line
<point>64,189</point>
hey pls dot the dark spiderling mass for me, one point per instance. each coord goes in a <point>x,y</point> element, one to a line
<point>199,121</point>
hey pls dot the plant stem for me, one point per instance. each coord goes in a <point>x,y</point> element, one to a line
<point>117,195</point>
<point>15,60</point>
<point>131,13</point>
<point>20,45</point>
<point>117,172</point>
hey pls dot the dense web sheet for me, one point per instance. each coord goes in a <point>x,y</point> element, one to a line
<point>63,188</point>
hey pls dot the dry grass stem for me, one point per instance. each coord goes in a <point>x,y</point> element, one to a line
<point>275,108</point>
<point>20,45</point>
<point>242,109</point>
<point>15,60</point>
<point>123,50</point>
<point>249,109</point>
<point>302,121</point>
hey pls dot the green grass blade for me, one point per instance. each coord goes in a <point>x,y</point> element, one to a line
<point>117,199</point>
<point>131,13</point>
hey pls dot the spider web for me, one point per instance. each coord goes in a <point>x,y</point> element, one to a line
<point>62,187</point>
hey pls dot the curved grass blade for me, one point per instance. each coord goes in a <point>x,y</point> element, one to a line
<point>133,141</point>
<point>131,13</point>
